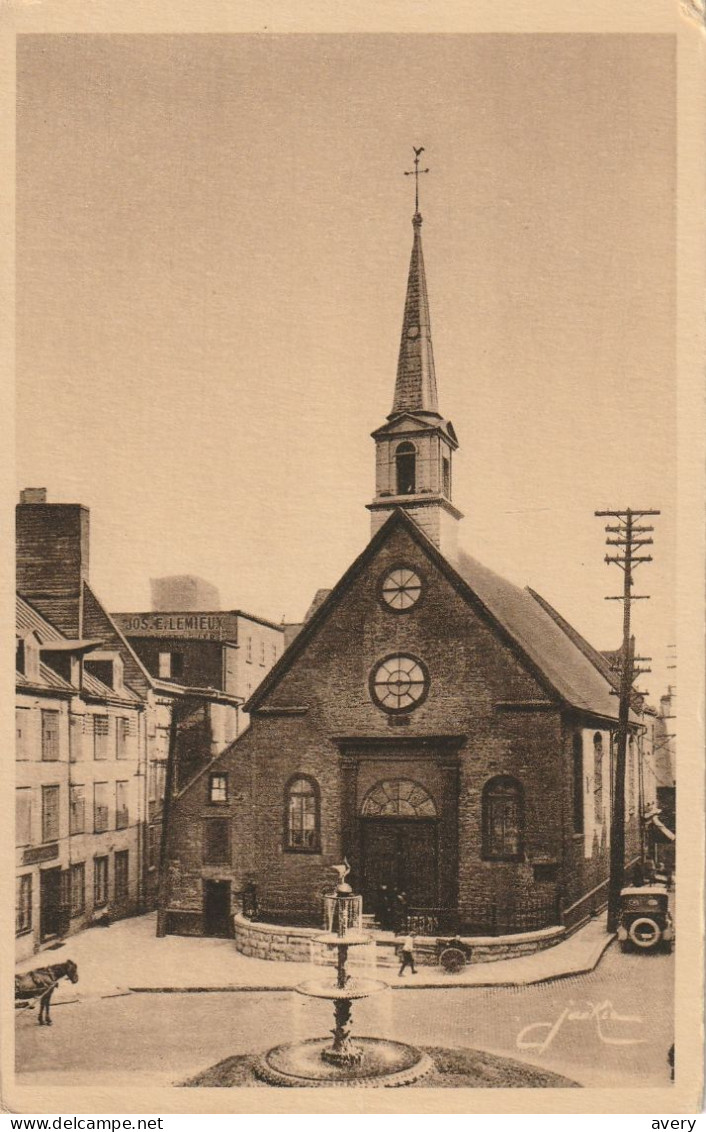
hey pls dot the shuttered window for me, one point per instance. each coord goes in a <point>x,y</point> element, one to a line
<point>101,734</point>
<point>122,866</point>
<point>100,881</point>
<point>77,889</point>
<point>123,731</point>
<point>100,807</point>
<point>122,815</point>
<point>23,816</point>
<point>22,747</point>
<point>50,813</point>
<point>76,738</point>
<point>23,904</point>
<point>77,809</point>
<point>216,841</point>
<point>50,736</point>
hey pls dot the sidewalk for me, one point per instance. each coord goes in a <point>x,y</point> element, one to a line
<point>128,957</point>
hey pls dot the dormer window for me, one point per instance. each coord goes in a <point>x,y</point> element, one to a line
<point>406,460</point>
<point>102,670</point>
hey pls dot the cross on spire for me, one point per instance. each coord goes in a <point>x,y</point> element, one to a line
<point>415,173</point>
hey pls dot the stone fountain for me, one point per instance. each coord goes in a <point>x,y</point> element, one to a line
<point>361,1062</point>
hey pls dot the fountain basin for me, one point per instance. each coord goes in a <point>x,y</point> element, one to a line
<point>354,988</point>
<point>351,939</point>
<point>383,1064</point>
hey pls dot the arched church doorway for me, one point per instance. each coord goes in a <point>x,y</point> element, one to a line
<point>399,842</point>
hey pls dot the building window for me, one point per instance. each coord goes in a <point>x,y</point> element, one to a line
<point>122,815</point>
<point>446,476</point>
<point>577,783</point>
<point>77,809</point>
<point>103,670</point>
<point>50,736</point>
<point>274,653</point>
<point>262,652</point>
<point>399,683</point>
<point>22,751</point>
<point>302,816</point>
<point>77,889</point>
<point>100,807</point>
<point>23,816</point>
<point>218,788</point>
<point>216,841</point>
<point>123,731</point>
<point>152,846</point>
<point>398,797</point>
<point>23,904</point>
<point>50,813</point>
<point>100,881</point>
<point>598,777</point>
<point>122,866</point>
<point>171,665</point>
<point>101,734</point>
<point>248,649</point>
<point>405,461</point>
<point>156,780</point>
<point>76,738</point>
<point>502,819</point>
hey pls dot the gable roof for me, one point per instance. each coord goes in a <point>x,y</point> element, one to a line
<point>545,647</point>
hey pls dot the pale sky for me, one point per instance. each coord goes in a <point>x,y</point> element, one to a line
<point>213,235</point>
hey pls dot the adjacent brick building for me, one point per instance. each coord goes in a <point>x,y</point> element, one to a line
<point>99,739</point>
<point>444,730</point>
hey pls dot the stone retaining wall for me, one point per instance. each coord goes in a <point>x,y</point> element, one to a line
<point>273,941</point>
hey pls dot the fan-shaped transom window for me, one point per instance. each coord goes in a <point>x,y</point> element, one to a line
<point>398,798</point>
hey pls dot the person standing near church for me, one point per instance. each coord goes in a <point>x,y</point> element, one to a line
<point>407,955</point>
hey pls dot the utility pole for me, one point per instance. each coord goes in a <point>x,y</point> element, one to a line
<point>628,541</point>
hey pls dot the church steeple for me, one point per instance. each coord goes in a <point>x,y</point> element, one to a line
<point>414,448</point>
<point>415,388</point>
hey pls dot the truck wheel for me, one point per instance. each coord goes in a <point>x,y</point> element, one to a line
<point>452,959</point>
<point>645,932</point>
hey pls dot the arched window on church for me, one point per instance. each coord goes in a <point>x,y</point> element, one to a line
<point>577,783</point>
<point>406,462</point>
<point>302,815</point>
<point>502,819</point>
<point>598,777</point>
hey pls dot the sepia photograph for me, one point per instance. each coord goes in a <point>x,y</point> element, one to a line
<point>346,497</point>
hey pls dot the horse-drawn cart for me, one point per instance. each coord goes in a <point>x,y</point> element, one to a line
<point>38,986</point>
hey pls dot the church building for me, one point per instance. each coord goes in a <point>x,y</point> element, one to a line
<point>442,729</point>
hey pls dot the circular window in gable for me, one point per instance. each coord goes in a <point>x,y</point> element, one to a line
<point>399,683</point>
<point>401,588</point>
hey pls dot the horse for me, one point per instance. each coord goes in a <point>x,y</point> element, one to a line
<point>41,984</point>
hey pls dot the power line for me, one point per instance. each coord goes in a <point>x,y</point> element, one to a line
<point>629,542</point>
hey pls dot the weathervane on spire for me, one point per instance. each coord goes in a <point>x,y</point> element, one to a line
<point>415,173</point>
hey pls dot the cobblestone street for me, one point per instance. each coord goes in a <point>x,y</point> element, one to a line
<point>611,1027</point>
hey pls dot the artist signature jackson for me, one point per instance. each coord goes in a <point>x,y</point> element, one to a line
<point>598,1015</point>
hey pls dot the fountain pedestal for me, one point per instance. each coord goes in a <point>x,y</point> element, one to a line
<point>365,1062</point>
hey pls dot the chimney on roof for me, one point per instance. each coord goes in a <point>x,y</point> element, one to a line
<point>52,557</point>
<point>33,495</point>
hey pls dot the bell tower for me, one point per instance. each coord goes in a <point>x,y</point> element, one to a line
<point>415,447</point>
